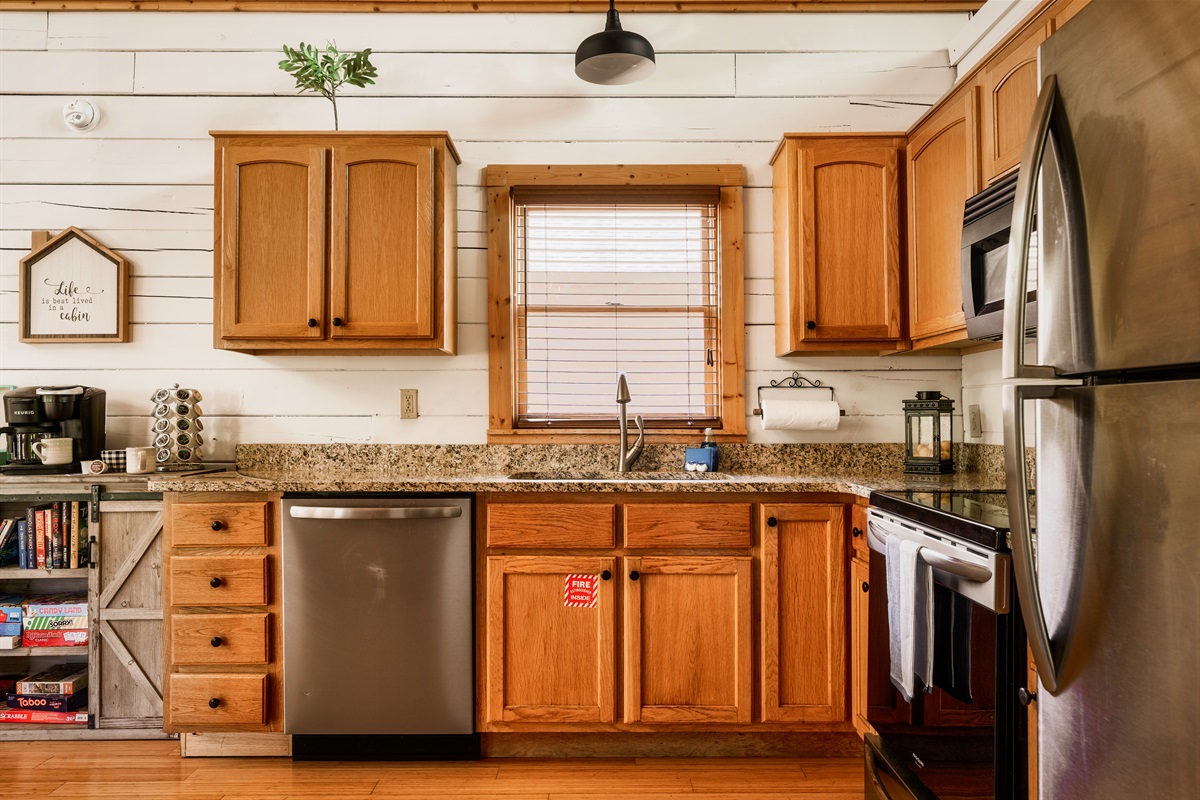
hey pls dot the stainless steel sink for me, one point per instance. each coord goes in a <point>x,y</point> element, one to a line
<point>613,475</point>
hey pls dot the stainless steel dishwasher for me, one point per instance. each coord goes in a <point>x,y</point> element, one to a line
<point>378,627</point>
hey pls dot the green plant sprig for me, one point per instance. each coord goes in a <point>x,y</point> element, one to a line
<point>324,72</point>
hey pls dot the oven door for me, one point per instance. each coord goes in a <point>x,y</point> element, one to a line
<point>966,738</point>
<point>887,775</point>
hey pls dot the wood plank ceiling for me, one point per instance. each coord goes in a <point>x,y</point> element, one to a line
<point>494,6</point>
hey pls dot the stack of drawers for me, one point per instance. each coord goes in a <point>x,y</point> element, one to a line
<point>221,659</point>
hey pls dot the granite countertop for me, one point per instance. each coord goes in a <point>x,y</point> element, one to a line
<point>842,469</point>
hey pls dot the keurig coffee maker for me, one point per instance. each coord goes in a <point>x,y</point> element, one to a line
<point>34,413</point>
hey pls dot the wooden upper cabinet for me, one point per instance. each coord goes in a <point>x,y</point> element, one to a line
<point>837,243</point>
<point>1009,92</point>
<point>804,670</point>
<point>943,172</point>
<point>271,232</point>
<point>1061,12</point>
<point>335,241</point>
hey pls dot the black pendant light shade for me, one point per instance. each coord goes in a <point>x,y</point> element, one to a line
<point>614,56</point>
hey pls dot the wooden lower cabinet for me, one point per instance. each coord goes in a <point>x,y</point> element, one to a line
<point>671,643</point>
<point>687,639</point>
<point>547,661</point>
<point>803,613</point>
<point>222,665</point>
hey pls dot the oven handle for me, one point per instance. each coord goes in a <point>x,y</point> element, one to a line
<point>971,572</point>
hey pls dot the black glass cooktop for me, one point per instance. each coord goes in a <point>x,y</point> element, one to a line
<point>980,516</point>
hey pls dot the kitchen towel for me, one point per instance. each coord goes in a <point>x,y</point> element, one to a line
<point>800,415</point>
<point>910,617</point>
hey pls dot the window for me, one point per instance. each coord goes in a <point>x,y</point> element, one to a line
<point>595,271</point>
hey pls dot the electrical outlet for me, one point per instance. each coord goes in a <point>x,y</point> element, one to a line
<point>974,421</point>
<point>408,404</point>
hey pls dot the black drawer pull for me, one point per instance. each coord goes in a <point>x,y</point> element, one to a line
<point>337,322</point>
<point>215,583</point>
<point>772,522</point>
<point>312,323</point>
<point>606,575</point>
<point>217,525</point>
<point>214,703</point>
<point>866,587</point>
<point>812,326</point>
<point>216,641</point>
<point>857,532</point>
<point>634,575</point>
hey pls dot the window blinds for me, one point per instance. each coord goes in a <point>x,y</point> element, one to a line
<point>606,284</point>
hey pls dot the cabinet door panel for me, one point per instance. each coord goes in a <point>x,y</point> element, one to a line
<point>687,639</point>
<point>271,242</point>
<point>804,613</point>
<point>547,661</point>
<point>382,271</point>
<point>860,587</point>
<point>851,242</point>
<point>942,174</point>
<point>1010,88</point>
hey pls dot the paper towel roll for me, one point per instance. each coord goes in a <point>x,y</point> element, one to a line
<point>800,415</point>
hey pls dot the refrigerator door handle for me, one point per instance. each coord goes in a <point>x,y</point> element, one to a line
<point>1013,355</point>
<point>1024,570</point>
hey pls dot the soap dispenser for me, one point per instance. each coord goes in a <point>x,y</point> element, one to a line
<point>703,458</point>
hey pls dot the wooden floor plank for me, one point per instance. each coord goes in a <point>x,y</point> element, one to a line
<point>120,770</point>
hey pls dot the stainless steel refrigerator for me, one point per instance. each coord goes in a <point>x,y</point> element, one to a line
<point>1110,580</point>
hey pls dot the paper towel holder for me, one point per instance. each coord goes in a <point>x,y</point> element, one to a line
<point>795,381</point>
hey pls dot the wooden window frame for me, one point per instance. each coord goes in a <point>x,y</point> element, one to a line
<point>499,183</point>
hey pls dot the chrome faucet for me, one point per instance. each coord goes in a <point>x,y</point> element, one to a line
<point>627,456</point>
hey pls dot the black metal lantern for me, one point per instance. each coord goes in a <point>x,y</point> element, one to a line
<point>929,434</point>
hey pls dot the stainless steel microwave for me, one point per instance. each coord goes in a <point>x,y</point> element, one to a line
<point>987,218</point>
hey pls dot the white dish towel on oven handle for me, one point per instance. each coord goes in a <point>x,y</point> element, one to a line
<point>910,617</point>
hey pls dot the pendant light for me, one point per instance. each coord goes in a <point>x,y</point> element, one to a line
<point>614,56</point>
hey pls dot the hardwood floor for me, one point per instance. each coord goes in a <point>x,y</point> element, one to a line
<point>154,771</point>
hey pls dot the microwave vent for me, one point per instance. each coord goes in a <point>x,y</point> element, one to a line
<point>1002,192</point>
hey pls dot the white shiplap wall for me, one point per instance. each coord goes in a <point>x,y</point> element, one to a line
<point>727,87</point>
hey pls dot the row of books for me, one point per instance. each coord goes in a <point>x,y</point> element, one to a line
<point>54,536</point>
<point>53,696</point>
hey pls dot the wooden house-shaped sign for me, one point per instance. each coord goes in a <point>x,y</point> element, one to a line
<point>73,289</point>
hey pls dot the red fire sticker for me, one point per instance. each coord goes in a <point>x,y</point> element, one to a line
<point>581,591</point>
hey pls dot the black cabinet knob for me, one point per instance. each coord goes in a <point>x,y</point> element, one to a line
<point>214,703</point>
<point>866,587</point>
<point>216,641</point>
<point>772,522</point>
<point>605,575</point>
<point>312,323</point>
<point>1025,697</point>
<point>856,532</point>
<point>217,525</point>
<point>215,582</point>
<point>812,326</point>
<point>634,575</point>
<point>337,322</point>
